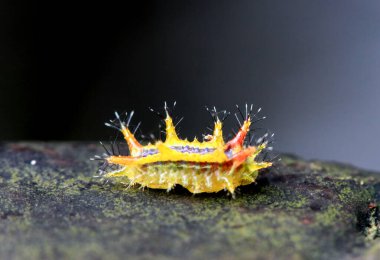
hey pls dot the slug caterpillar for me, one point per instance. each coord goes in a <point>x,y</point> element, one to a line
<point>208,166</point>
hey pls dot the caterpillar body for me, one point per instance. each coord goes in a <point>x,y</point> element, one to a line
<point>208,166</point>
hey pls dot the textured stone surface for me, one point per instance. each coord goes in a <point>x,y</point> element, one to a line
<point>299,210</point>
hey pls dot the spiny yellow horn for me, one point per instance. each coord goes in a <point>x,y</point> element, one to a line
<point>171,135</point>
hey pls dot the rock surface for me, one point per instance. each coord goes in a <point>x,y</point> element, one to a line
<point>52,208</point>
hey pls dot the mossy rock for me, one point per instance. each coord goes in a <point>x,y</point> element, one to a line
<point>53,208</point>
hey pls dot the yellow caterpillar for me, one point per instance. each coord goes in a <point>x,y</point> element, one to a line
<point>208,166</point>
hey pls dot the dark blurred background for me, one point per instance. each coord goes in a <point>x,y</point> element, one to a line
<point>314,67</point>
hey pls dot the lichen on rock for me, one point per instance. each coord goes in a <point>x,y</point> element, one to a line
<point>54,208</point>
